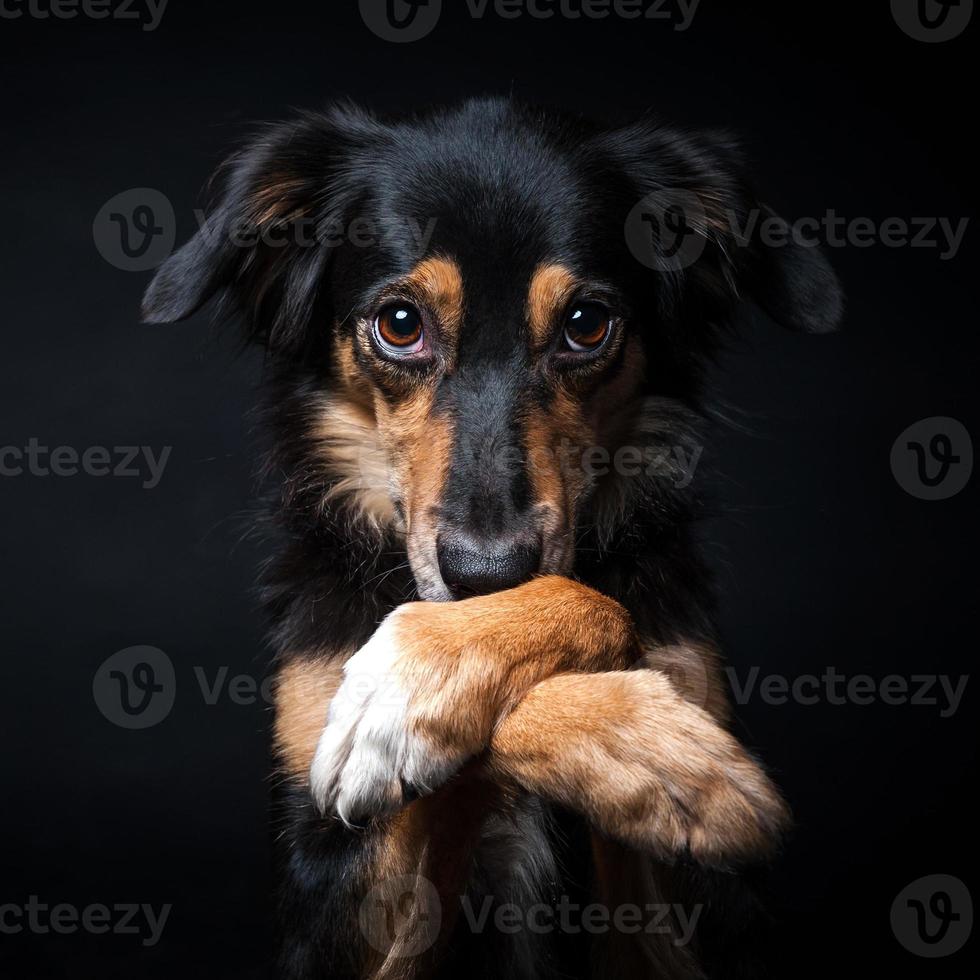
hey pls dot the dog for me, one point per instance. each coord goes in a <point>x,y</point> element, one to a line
<point>497,673</point>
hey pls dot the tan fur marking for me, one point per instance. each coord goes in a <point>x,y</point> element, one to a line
<point>420,448</point>
<point>477,657</point>
<point>695,671</point>
<point>624,877</point>
<point>304,689</point>
<point>349,375</point>
<point>438,283</point>
<point>646,767</point>
<point>275,201</point>
<point>431,840</point>
<point>552,288</point>
<point>355,460</point>
<point>386,452</point>
<point>556,441</point>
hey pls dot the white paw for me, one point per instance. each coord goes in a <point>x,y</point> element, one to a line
<point>367,758</point>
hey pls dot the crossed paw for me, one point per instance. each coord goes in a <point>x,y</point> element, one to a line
<point>424,695</point>
<point>380,748</point>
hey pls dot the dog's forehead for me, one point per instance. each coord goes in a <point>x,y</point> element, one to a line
<point>497,212</point>
<point>496,197</point>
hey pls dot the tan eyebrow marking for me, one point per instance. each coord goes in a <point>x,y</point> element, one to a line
<point>552,288</point>
<point>438,282</point>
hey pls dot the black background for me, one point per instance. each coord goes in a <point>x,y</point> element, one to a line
<point>822,558</point>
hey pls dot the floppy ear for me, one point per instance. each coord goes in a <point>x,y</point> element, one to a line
<point>789,278</point>
<point>264,247</point>
<point>741,248</point>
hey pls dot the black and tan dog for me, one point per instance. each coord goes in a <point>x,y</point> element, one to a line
<point>458,331</point>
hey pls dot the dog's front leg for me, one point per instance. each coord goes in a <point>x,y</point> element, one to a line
<point>646,758</point>
<point>427,691</point>
<point>645,766</point>
<point>378,903</point>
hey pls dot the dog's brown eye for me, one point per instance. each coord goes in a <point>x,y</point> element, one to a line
<point>586,326</point>
<point>399,328</point>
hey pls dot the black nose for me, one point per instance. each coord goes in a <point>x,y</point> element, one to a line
<point>470,567</point>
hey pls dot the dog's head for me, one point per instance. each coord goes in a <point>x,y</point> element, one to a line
<point>477,308</point>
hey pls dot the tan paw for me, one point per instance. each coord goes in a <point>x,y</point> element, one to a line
<point>643,765</point>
